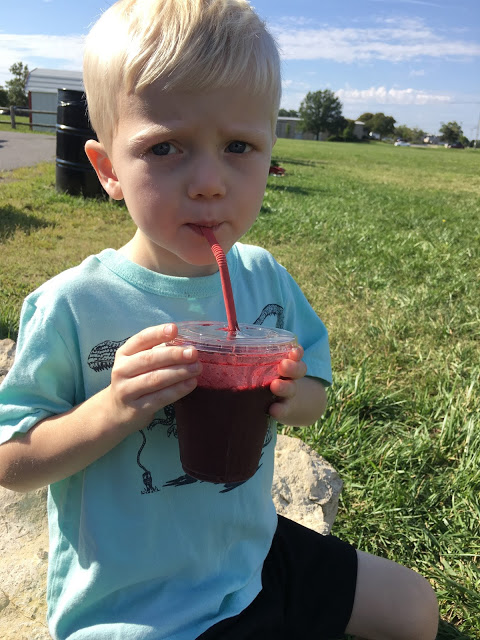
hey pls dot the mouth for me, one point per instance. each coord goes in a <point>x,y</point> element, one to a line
<point>197,227</point>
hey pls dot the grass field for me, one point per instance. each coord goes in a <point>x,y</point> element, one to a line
<point>385,243</point>
<point>23,125</point>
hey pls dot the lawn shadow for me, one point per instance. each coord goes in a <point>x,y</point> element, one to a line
<point>12,219</point>
<point>446,631</point>
<point>7,329</point>
<point>287,188</point>
<point>305,163</point>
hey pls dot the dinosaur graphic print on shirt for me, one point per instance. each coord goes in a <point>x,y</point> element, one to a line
<point>102,357</point>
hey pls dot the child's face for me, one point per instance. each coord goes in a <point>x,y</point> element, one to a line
<point>184,159</point>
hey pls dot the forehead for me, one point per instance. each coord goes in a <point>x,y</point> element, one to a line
<point>227,104</point>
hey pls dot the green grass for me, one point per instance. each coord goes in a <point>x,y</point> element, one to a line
<point>22,125</point>
<point>385,243</point>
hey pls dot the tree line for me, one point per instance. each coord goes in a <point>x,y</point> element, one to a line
<point>321,113</point>
<point>14,91</point>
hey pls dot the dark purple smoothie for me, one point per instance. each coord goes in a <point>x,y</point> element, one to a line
<point>222,424</point>
<point>225,442</point>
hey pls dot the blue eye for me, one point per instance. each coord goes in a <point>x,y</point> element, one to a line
<point>163,149</point>
<point>237,146</point>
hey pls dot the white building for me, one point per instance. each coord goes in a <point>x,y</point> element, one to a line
<point>42,89</point>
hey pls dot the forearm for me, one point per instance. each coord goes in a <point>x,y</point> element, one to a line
<point>143,381</point>
<point>308,405</point>
<point>60,446</point>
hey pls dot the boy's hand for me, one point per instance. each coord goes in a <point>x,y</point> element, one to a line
<point>285,387</point>
<point>146,378</point>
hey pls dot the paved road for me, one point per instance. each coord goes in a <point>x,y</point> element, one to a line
<point>25,149</point>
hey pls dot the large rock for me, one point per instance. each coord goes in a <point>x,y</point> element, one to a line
<point>306,488</point>
<point>7,354</point>
<point>23,552</point>
<point>23,568</point>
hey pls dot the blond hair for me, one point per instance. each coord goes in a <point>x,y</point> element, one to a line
<point>188,44</point>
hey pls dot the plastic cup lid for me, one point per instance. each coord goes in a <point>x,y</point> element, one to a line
<point>251,338</point>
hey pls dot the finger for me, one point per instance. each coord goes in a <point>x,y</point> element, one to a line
<point>148,338</point>
<point>292,369</point>
<point>157,380</point>
<point>296,353</point>
<point>278,410</point>
<point>154,359</point>
<point>283,388</point>
<point>155,401</point>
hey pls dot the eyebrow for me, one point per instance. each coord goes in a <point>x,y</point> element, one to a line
<point>140,138</point>
<point>178,128</point>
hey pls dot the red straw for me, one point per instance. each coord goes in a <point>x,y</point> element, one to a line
<point>225,278</point>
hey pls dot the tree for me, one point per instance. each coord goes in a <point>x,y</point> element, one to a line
<point>365,118</point>
<point>16,87</point>
<point>383,125</point>
<point>451,132</point>
<point>288,113</point>
<point>322,111</point>
<point>403,132</point>
<point>418,135</point>
<point>348,132</point>
<point>378,123</point>
<point>410,135</point>
<point>3,97</point>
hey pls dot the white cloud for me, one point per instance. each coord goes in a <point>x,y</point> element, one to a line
<point>394,40</point>
<point>294,84</point>
<point>38,50</point>
<point>381,95</point>
<point>420,2</point>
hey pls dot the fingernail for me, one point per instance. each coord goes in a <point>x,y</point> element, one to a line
<point>168,330</point>
<point>188,353</point>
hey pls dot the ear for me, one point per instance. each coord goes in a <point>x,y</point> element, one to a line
<point>100,161</point>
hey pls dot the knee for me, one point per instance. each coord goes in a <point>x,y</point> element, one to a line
<point>424,608</point>
<point>392,602</point>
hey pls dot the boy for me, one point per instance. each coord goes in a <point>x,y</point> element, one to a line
<point>183,96</point>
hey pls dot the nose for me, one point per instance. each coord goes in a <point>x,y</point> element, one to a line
<point>207,179</point>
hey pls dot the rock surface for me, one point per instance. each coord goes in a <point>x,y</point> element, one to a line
<point>306,489</point>
<point>23,568</point>
<point>7,354</point>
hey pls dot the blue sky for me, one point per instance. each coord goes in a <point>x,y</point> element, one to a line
<point>417,60</point>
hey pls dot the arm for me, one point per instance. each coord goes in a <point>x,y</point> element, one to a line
<point>302,400</point>
<point>144,380</point>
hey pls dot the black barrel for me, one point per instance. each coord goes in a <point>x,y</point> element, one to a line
<point>74,173</point>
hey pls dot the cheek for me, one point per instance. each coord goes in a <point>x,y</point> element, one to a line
<point>138,187</point>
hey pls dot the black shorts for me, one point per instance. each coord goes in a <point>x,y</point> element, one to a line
<point>308,588</point>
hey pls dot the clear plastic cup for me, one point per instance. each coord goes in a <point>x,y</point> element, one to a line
<point>222,423</point>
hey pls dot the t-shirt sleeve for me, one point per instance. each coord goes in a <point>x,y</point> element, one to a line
<point>311,333</point>
<point>43,379</point>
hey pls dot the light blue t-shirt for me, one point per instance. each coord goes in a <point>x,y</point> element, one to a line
<point>138,549</point>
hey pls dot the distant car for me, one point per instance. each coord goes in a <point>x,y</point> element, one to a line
<point>456,145</point>
<point>401,143</point>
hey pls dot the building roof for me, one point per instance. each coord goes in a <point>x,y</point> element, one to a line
<point>50,80</point>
